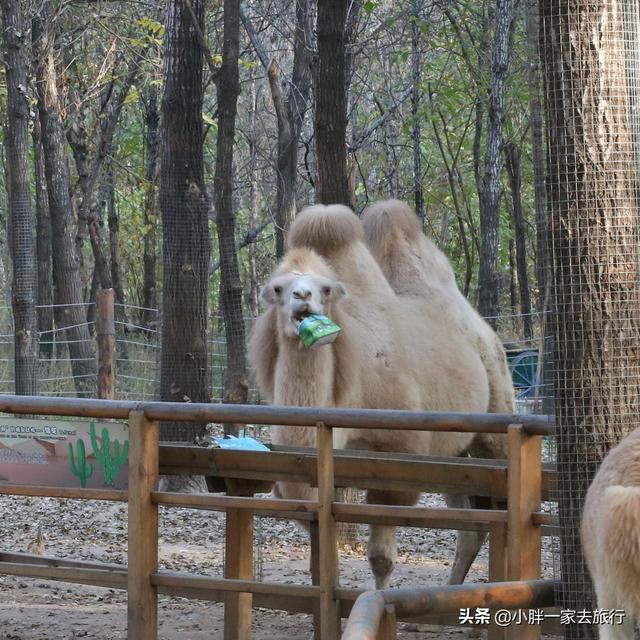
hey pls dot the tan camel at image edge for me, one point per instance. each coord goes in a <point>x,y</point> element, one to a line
<point>611,536</point>
<point>417,346</point>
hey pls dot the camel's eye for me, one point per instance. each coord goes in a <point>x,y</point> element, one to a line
<point>326,291</point>
<point>277,290</point>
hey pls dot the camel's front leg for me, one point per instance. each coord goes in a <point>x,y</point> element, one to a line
<point>468,543</point>
<point>382,550</point>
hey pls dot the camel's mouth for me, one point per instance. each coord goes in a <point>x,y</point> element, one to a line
<point>299,316</point>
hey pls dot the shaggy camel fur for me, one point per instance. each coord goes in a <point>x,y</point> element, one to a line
<point>414,266</point>
<point>611,535</point>
<point>394,351</point>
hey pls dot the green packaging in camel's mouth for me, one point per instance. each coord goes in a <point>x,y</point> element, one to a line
<point>315,330</point>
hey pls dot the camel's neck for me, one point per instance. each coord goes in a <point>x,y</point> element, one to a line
<point>304,377</point>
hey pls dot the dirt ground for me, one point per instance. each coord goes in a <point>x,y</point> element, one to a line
<point>192,541</point>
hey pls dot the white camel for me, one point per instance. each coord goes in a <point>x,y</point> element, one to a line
<point>611,535</point>
<point>398,350</point>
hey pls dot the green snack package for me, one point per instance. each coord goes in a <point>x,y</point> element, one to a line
<point>315,330</point>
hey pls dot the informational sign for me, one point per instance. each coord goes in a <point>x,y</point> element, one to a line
<point>62,453</point>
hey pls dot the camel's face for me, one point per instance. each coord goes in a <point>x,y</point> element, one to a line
<point>300,295</point>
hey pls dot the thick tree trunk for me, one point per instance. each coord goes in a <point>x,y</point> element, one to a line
<point>43,247</point>
<point>593,228</point>
<point>489,196</point>
<point>150,214</point>
<point>183,205</point>
<point>331,105</point>
<point>66,264</point>
<point>236,379</point>
<point>21,219</point>
<point>512,155</point>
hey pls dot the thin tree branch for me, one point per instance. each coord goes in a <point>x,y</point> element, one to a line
<point>253,36</point>
<point>378,122</point>
<point>250,238</point>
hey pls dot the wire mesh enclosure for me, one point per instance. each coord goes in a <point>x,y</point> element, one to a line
<point>590,54</point>
<point>171,149</point>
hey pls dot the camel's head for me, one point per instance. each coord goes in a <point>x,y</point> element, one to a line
<point>299,292</point>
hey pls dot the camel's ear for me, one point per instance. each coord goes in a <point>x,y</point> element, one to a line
<point>270,293</point>
<point>333,292</point>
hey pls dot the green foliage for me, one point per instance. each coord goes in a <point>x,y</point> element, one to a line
<point>81,469</point>
<point>110,455</point>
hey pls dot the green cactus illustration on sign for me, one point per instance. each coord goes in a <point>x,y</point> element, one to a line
<point>110,456</point>
<point>82,469</point>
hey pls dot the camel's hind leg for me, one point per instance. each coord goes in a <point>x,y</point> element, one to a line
<point>468,543</point>
<point>382,550</point>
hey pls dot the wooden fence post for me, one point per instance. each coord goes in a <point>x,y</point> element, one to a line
<point>329,610</point>
<point>524,538</point>
<point>142,613</point>
<point>388,629</point>
<point>314,546</point>
<point>497,568</point>
<point>106,332</point>
<point>238,564</point>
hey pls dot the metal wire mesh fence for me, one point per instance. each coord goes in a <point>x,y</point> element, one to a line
<point>590,54</point>
<point>138,360</point>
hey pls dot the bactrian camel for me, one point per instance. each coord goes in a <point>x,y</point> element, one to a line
<point>409,340</point>
<point>611,536</point>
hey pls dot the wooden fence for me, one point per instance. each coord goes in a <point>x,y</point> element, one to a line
<point>514,533</point>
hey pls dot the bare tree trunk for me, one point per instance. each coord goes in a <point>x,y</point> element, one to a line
<point>512,154</point>
<point>594,241</point>
<point>252,274</point>
<point>91,170</point>
<point>513,286</point>
<point>66,264</point>
<point>537,148</point>
<point>150,214</point>
<point>236,384</point>
<point>290,120</point>
<point>488,277</point>
<point>416,129</point>
<point>331,105</point>
<point>21,218</point>
<point>183,205</point>
<point>43,247</point>
<point>114,244</point>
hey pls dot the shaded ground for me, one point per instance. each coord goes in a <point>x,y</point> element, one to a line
<point>190,540</point>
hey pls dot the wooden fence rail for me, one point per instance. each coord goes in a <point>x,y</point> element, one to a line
<point>515,532</point>
<point>367,618</point>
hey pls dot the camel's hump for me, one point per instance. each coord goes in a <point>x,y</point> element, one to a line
<point>325,228</point>
<point>382,217</point>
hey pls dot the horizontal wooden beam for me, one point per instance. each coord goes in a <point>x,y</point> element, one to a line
<point>77,493</point>
<point>548,519</point>
<point>190,581</point>
<point>360,469</point>
<point>288,509</point>
<point>291,598</point>
<point>52,561</point>
<point>79,575</point>
<point>387,419</point>
<point>413,602</point>
<point>465,519</point>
